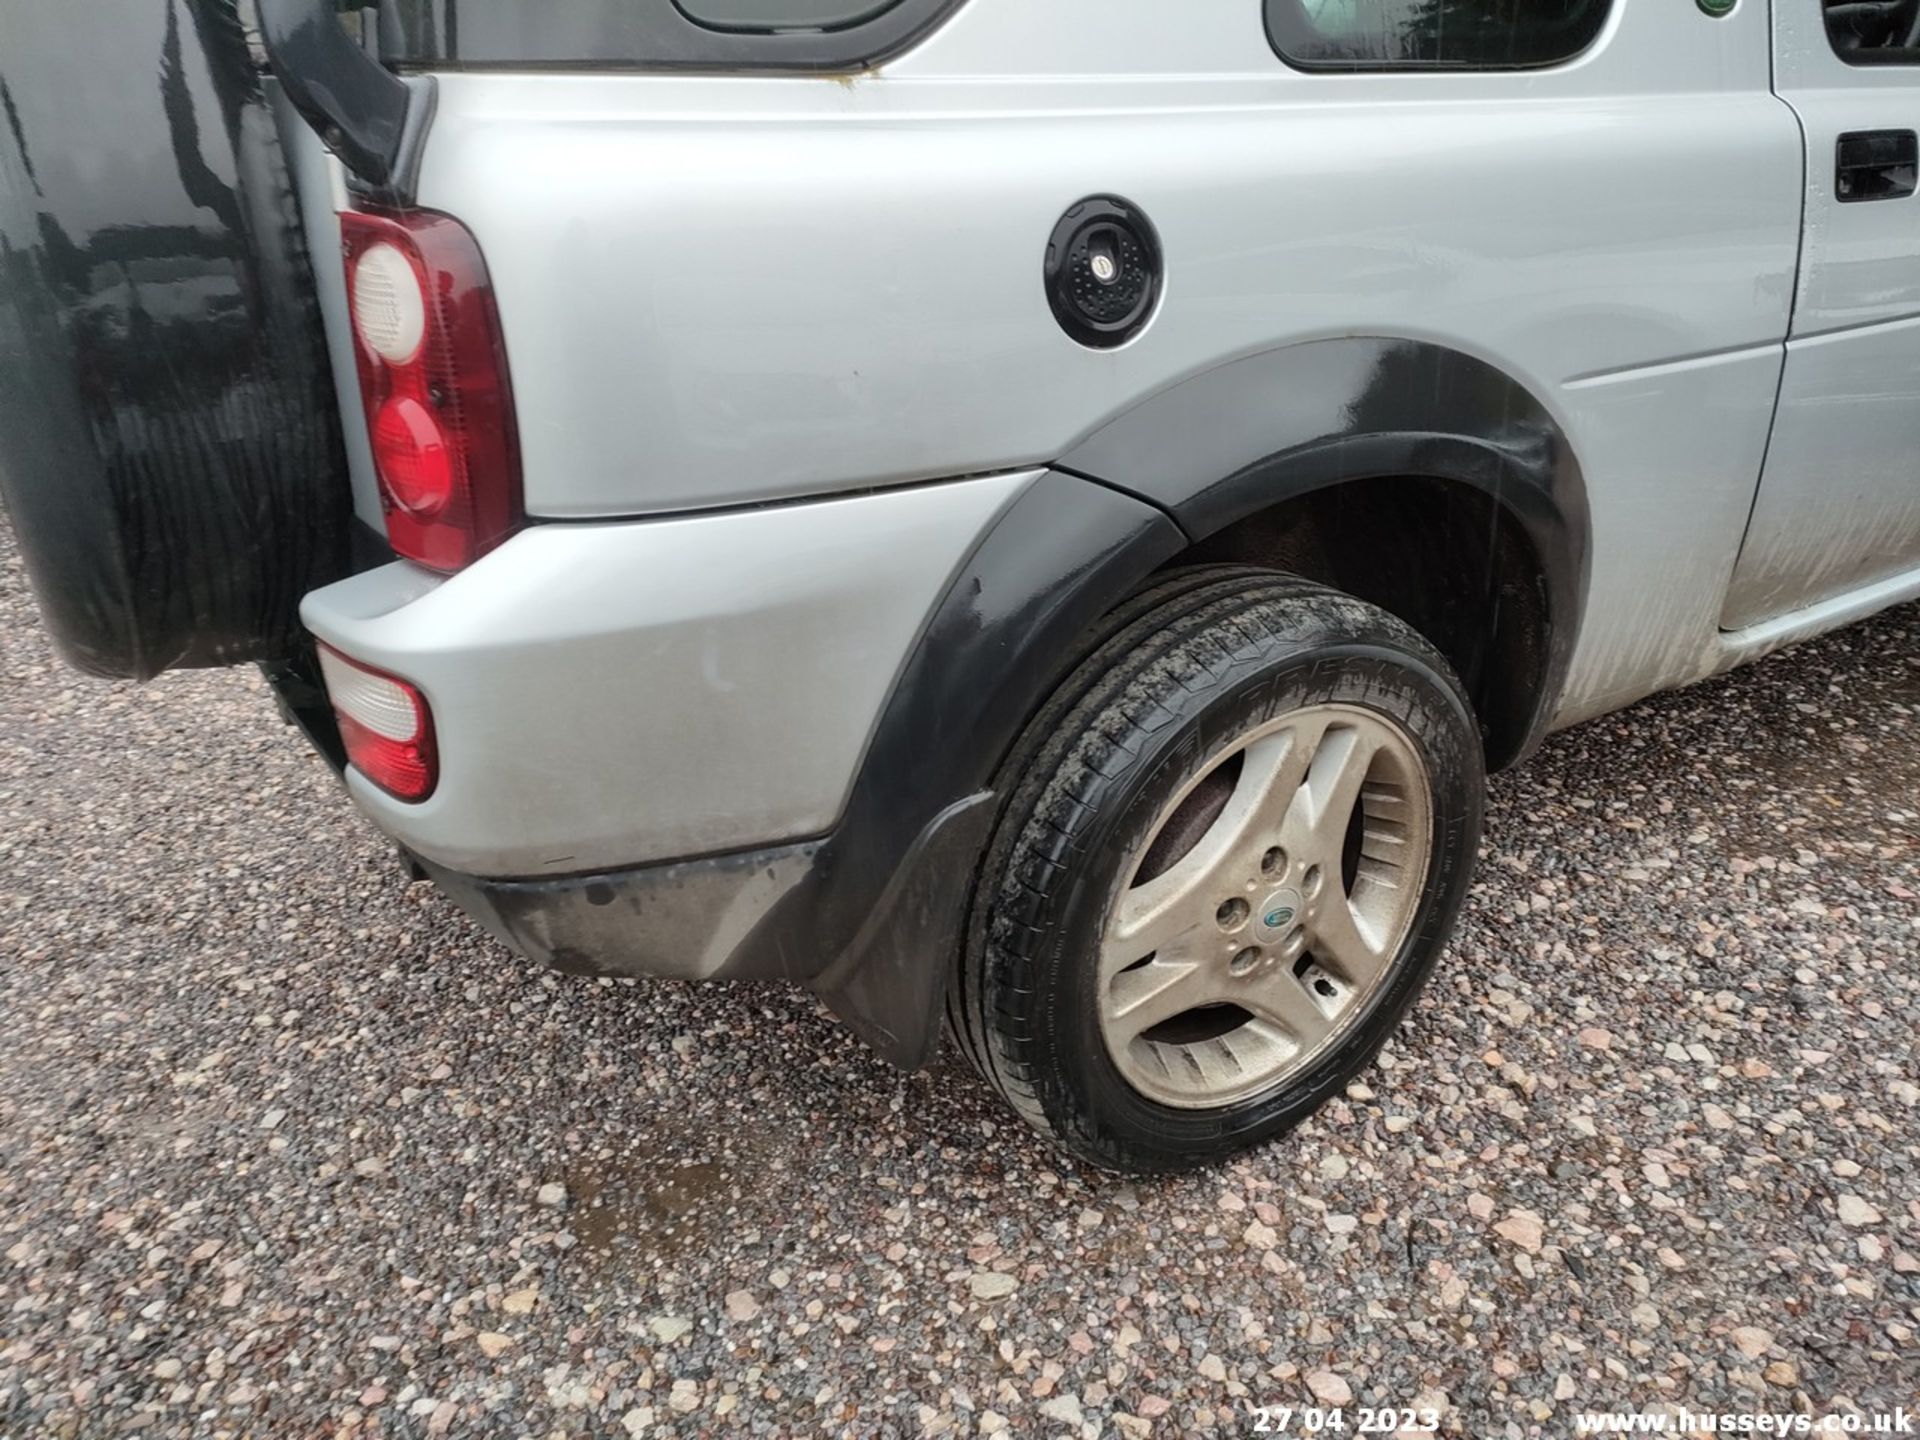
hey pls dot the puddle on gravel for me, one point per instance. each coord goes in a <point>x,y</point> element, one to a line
<point>642,1204</point>
<point>660,1206</point>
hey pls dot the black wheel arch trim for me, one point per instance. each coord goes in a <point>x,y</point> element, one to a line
<point>889,896</point>
<point>1243,436</point>
<point>1202,454</point>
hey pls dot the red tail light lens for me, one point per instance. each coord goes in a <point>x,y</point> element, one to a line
<point>385,725</point>
<point>416,465</point>
<point>433,380</point>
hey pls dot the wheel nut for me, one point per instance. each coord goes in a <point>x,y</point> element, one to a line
<point>1273,862</point>
<point>1232,914</point>
<point>1311,881</point>
<point>1244,961</point>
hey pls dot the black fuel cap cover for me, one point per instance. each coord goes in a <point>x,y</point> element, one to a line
<point>1103,271</point>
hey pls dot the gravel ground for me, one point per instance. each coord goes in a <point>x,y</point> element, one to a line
<point>288,1147</point>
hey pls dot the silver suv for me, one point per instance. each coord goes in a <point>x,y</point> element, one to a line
<point>1030,520</point>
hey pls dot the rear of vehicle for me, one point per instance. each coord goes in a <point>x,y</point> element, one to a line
<point>1031,515</point>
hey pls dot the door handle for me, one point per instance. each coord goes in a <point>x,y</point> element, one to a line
<point>1874,165</point>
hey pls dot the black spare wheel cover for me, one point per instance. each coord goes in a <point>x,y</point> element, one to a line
<point>169,440</point>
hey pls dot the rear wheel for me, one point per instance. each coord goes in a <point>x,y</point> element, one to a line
<point>1234,844</point>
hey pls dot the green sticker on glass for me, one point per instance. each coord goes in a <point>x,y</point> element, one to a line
<point>1717,8</point>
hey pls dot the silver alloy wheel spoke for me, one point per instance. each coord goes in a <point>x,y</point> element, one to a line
<point>1340,938</point>
<point>1156,992</point>
<point>1289,1004</point>
<point>1253,950</point>
<point>1271,772</point>
<point>1333,782</point>
<point>1158,913</point>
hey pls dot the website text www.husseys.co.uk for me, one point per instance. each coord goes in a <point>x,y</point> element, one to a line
<point>1732,1422</point>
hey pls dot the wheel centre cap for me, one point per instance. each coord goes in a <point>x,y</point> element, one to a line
<point>1274,920</point>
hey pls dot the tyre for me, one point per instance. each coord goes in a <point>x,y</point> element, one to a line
<point>1234,843</point>
<point>170,446</point>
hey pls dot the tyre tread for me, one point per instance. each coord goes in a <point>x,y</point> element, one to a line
<point>1183,635</point>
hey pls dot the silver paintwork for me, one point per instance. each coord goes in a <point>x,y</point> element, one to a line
<point>719,290</point>
<point>1839,505</point>
<point>1839,502</point>
<point>1259,891</point>
<point>606,695</point>
<point>778,286</point>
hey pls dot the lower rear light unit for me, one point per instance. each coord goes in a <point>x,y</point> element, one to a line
<point>385,725</point>
<point>433,382</point>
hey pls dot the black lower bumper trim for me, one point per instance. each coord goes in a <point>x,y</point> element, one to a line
<point>691,919</point>
<point>758,915</point>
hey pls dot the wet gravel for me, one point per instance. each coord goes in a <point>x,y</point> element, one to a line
<point>288,1147</point>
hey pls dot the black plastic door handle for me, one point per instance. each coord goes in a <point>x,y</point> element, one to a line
<point>1874,165</point>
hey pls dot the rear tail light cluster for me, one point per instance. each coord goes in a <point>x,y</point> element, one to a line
<point>385,725</point>
<point>433,379</point>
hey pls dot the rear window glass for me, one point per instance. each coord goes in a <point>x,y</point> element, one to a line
<point>654,34</point>
<point>769,15</point>
<point>1874,32</point>
<point>1432,34</point>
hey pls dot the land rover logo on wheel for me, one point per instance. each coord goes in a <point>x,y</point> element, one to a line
<point>1276,914</point>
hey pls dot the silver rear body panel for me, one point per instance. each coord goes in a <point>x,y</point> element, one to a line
<point>721,291</point>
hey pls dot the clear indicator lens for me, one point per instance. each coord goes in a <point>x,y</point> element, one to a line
<point>385,727</point>
<point>389,311</point>
<point>382,705</point>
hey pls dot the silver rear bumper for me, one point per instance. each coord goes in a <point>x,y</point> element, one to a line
<point>609,695</point>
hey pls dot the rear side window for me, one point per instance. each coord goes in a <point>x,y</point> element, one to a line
<point>1432,34</point>
<point>766,16</point>
<point>1874,32</point>
<point>739,35</point>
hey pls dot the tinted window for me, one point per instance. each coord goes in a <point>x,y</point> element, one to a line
<point>644,34</point>
<point>1433,34</point>
<point>766,15</point>
<point>1874,32</point>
